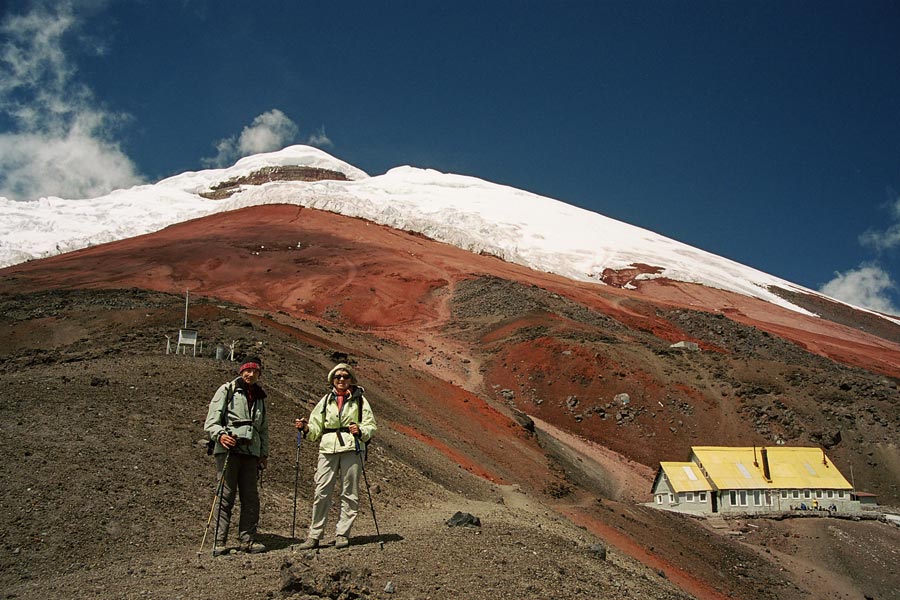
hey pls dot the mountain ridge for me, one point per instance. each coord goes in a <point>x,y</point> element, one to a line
<point>471,213</point>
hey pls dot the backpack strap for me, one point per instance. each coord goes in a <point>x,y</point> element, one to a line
<point>229,398</point>
<point>324,402</point>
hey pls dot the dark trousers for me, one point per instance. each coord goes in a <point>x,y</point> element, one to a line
<point>240,479</point>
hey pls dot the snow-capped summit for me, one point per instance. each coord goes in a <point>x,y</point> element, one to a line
<point>474,214</point>
<point>196,182</point>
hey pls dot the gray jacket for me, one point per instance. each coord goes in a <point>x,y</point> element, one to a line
<point>229,412</point>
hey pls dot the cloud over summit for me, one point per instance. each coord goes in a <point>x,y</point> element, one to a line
<point>270,131</point>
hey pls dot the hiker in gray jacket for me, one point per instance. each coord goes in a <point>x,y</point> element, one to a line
<point>342,422</point>
<point>237,422</point>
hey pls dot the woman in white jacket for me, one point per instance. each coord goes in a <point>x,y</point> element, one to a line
<point>342,421</point>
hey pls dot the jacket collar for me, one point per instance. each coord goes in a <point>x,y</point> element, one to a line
<point>355,392</point>
<point>256,389</point>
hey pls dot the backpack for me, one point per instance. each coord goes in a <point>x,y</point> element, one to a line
<point>229,398</point>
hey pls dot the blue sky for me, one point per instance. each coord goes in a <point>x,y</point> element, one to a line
<point>765,132</point>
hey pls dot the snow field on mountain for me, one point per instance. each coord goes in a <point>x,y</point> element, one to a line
<point>515,225</point>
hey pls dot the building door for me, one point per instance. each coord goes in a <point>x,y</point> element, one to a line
<point>714,496</point>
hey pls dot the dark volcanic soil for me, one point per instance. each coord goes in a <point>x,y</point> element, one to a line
<point>107,488</point>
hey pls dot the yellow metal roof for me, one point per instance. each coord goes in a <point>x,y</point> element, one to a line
<point>685,477</point>
<point>789,468</point>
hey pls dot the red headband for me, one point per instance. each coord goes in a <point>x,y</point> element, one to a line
<point>250,365</point>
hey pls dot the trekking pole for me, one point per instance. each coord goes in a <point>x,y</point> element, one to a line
<point>219,493</point>
<point>296,479</point>
<point>212,508</point>
<point>362,464</point>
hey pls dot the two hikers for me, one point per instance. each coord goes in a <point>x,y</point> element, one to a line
<point>342,421</point>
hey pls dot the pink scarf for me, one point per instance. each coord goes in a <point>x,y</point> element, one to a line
<point>340,400</point>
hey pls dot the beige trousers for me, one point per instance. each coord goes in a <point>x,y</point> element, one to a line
<point>346,467</point>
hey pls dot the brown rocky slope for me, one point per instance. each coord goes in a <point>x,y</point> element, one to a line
<point>109,490</point>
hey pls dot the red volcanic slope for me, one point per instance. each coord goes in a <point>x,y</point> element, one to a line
<point>304,262</point>
<point>320,266</point>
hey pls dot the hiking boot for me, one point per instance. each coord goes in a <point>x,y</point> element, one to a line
<point>221,551</point>
<point>309,544</point>
<point>253,548</point>
<point>341,541</point>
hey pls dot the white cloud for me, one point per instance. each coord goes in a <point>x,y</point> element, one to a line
<point>888,238</point>
<point>868,286</point>
<point>320,139</point>
<point>270,131</point>
<point>62,142</point>
<point>75,166</point>
<point>882,240</point>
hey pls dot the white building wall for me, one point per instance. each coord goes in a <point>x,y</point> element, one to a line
<point>768,501</point>
<point>689,502</point>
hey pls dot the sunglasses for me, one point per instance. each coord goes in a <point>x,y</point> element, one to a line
<point>342,377</point>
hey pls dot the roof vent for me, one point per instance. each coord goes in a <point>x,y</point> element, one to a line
<point>765,464</point>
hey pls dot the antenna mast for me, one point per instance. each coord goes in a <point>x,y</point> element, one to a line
<point>186,295</point>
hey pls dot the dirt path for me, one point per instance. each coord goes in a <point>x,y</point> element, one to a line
<point>451,356</point>
<point>625,474</point>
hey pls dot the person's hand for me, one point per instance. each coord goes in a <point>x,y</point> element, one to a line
<point>227,441</point>
<point>301,424</point>
<point>354,429</point>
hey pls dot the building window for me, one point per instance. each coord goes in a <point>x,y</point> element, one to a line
<point>689,496</point>
<point>659,498</point>
<point>818,493</point>
<point>702,496</point>
<point>784,494</point>
<point>671,498</point>
<point>830,493</point>
<point>807,494</point>
<point>795,494</point>
<point>743,495</point>
<point>757,500</point>
<point>840,493</point>
<point>733,495</point>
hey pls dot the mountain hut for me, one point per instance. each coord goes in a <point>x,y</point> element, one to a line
<point>746,480</point>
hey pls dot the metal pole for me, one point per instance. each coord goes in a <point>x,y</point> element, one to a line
<point>219,494</point>
<point>296,479</point>
<point>213,507</point>
<point>362,464</point>
<point>186,295</point>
